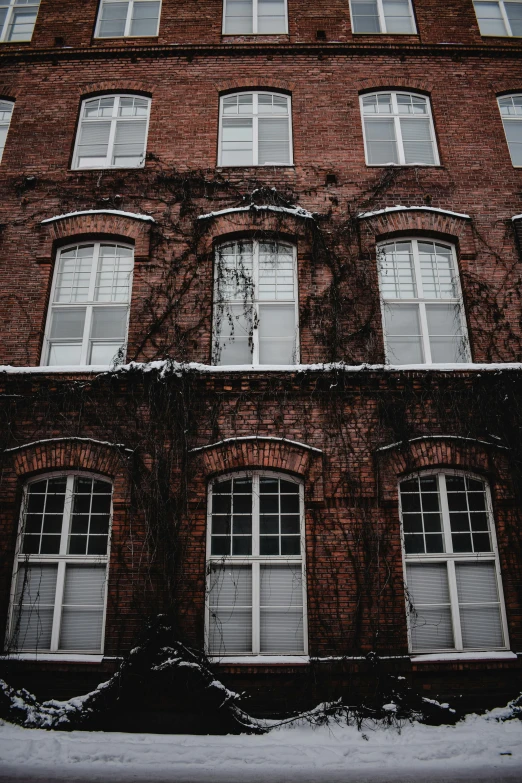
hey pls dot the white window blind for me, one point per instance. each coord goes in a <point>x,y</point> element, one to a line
<point>262,17</point>
<point>452,581</point>
<point>511,112</point>
<point>255,585</point>
<point>398,130</point>
<point>255,130</point>
<point>124,18</point>
<point>499,17</point>
<point>112,132</point>
<point>61,569</point>
<point>6,111</point>
<point>17,19</point>
<point>255,305</point>
<point>422,307</point>
<point>382,16</point>
<point>88,316</point>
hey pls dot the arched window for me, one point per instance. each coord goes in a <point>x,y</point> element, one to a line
<point>255,303</point>
<point>256,591</point>
<point>88,315</point>
<point>61,568</point>
<point>499,17</point>
<point>511,112</point>
<point>128,18</point>
<point>257,17</point>
<point>422,306</point>
<point>6,111</point>
<point>398,130</point>
<point>452,573</point>
<point>112,133</point>
<point>255,130</point>
<point>17,19</point>
<point>382,16</point>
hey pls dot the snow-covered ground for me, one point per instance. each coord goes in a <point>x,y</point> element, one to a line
<point>478,749</point>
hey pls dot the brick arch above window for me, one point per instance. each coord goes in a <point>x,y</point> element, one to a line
<point>92,89</point>
<point>98,224</point>
<point>254,83</point>
<point>8,92</point>
<point>441,452</point>
<point>377,84</point>
<point>267,453</point>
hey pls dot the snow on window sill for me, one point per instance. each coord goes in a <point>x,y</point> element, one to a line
<point>499,655</point>
<point>260,659</point>
<point>61,657</point>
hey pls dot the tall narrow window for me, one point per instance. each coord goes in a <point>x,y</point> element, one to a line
<point>452,571</point>
<point>255,308</point>
<point>125,18</point>
<point>88,316</point>
<point>256,595</point>
<point>262,17</point>
<point>422,306</point>
<point>17,18</point>
<point>112,133</point>
<point>511,111</point>
<point>398,130</point>
<point>255,130</point>
<point>382,16</point>
<point>6,110</point>
<point>499,17</point>
<point>61,569</point>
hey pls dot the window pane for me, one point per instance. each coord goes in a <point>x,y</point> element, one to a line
<point>238,17</point>
<point>114,274</point>
<point>105,353</point>
<point>233,328</point>
<point>22,25</point>
<point>34,606</point>
<point>430,619</point>
<point>365,16</point>
<point>403,335</point>
<point>83,604</point>
<point>396,271</point>
<point>109,322</point>
<point>113,17</point>
<point>380,142</point>
<point>273,141</point>
<point>61,354</point>
<point>513,129</point>
<point>277,330</point>
<point>74,274</point>
<point>490,19</point>
<point>437,272</point>
<point>416,139</point>
<point>145,19</point>
<point>93,144</point>
<point>129,142</point>
<point>445,331</point>
<point>398,17</point>
<point>236,145</point>
<point>68,323</point>
<point>271,16</point>
<point>481,625</point>
<point>514,14</point>
<point>230,598</point>
<point>281,601</point>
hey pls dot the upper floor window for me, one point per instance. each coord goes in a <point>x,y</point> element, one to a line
<point>87,322</point>
<point>125,18</point>
<point>255,130</point>
<point>6,110</point>
<point>256,592</point>
<point>112,132</point>
<point>17,18</point>
<point>255,303</point>
<point>398,130</point>
<point>501,17</point>
<point>382,16</point>
<point>511,111</point>
<point>263,17</point>
<point>61,570</point>
<point>452,571</point>
<point>422,306</point>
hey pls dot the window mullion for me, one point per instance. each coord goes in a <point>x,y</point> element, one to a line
<point>256,611</point>
<point>112,132</point>
<point>130,9</point>
<point>254,16</point>
<point>67,514</point>
<point>58,601</point>
<point>382,20</point>
<point>454,598</point>
<point>255,304</point>
<point>86,342</point>
<point>424,333</point>
<point>255,515</point>
<point>505,17</point>
<point>255,133</point>
<point>446,529</point>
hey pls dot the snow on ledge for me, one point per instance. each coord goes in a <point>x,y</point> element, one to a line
<point>61,657</point>
<point>71,438</point>
<point>296,211</point>
<point>258,437</point>
<point>400,208</point>
<point>134,215</point>
<point>462,656</point>
<point>439,437</point>
<point>261,659</point>
<point>516,217</point>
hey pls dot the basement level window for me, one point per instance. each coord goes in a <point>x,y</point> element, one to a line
<point>254,17</point>
<point>500,18</point>
<point>382,16</point>
<point>128,18</point>
<point>17,19</point>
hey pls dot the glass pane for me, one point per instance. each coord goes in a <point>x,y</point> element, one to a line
<point>238,17</point>
<point>445,332</point>
<point>430,618</point>
<point>398,17</point>
<point>237,142</point>
<point>145,18</point>
<point>416,139</point>
<point>271,16</point>
<point>513,129</point>
<point>396,270</point>
<point>112,22</point>
<point>234,334</point>
<point>403,334</point>
<point>74,275</point>
<point>437,272</point>
<point>273,141</point>
<point>490,19</point>
<point>81,629</point>
<point>365,16</point>
<point>381,143</point>
<point>230,598</point>
<point>62,354</point>
<point>230,631</point>
<point>34,606</point>
<point>481,625</point>
<point>22,25</point>
<point>106,353</point>
<point>109,323</point>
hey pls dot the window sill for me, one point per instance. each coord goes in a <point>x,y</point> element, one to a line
<point>108,168</point>
<point>500,655</point>
<point>404,165</point>
<point>97,39</point>
<point>380,35</point>
<point>261,659</point>
<point>57,657</point>
<point>256,166</point>
<point>253,35</point>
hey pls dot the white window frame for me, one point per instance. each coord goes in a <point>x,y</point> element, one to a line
<point>255,560</point>
<point>255,116</point>
<point>422,301</point>
<point>89,305</point>
<point>514,118</point>
<point>450,558</point>
<point>113,119</point>
<point>5,123</point>
<point>13,6</point>
<point>505,19</point>
<point>254,21</point>
<point>128,21</point>
<point>397,125</point>
<point>255,303</point>
<point>382,21</point>
<point>61,560</point>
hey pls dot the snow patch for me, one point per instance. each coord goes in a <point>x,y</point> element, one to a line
<point>440,437</point>
<point>462,656</point>
<point>134,215</point>
<point>422,208</point>
<point>71,438</point>
<point>258,437</point>
<point>296,211</point>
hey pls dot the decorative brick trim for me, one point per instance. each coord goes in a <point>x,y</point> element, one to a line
<point>67,454</point>
<point>398,83</point>
<point>255,83</point>
<point>223,227</point>
<point>8,92</point>
<point>81,227</point>
<point>268,454</point>
<point>506,85</point>
<point>133,85</point>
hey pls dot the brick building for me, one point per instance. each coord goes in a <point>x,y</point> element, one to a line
<point>261,326</point>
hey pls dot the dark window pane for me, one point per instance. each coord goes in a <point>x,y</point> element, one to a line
<point>243,485</point>
<point>79,523</point>
<point>269,524</point>
<point>481,542</point>
<point>220,545</point>
<point>290,545</point>
<point>83,485</point>
<point>477,501</point>
<point>221,525</point>
<point>290,524</point>
<point>242,524</point>
<point>56,486</point>
<point>97,545</point>
<point>479,522</point>
<point>50,545</point>
<point>33,523</point>
<point>430,502</point>
<point>52,523</point>
<point>269,504</point>
<point>432,523</point>
<point>100,524</point>
<point>457,501</point>
<point>31,545</point>
<point>242,504</point>
<point>412,523</point>
<point>268,485</point>
<point>459,522</point>
<point>102,487</point>
<point>410,502</point>
<point>455,483</point>
<point>101,504</point>
<point>221,504</point>
<point>462,542</point>
<point>428,483</point>
<point>242,545</point>
<point>36,503</point>
<point>54,504</point>
<point>290,504</point>
<point>38,486</point>
<point>77,545</point>
<point>434,543</point>
<point>221,487</point>
<point>269,545</point>
<point>290,487</point>
<point>82,504</point>
<point>474,485</point>
<point>410,486</point>
<point>413,544</point>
